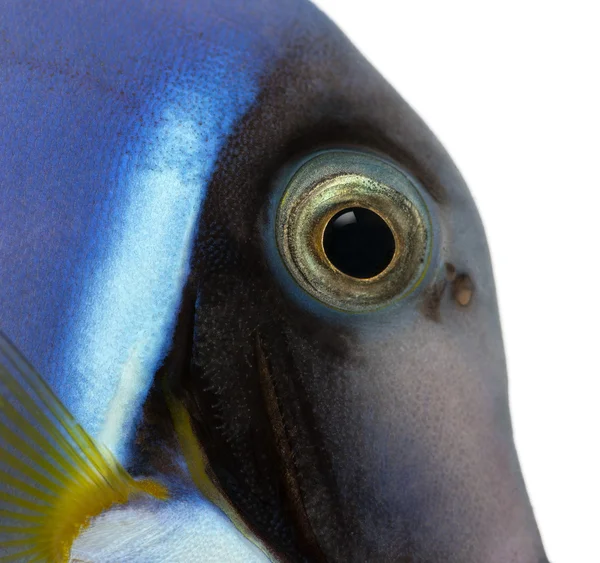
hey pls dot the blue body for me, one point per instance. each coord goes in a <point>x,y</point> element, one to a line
<point>110,128</point>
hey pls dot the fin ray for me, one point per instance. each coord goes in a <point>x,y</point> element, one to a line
<point>19,530</point>
<point>11,515</point>
<point>32,473</point>
<point>7,479</point>
<point>11,438</point>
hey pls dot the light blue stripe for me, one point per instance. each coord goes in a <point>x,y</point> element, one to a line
<point>132,301</point>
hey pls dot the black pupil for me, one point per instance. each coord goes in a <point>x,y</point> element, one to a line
<point>358,242</point>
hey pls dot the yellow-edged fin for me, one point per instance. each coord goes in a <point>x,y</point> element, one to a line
<point>197,464</point>
<point>53,478</point>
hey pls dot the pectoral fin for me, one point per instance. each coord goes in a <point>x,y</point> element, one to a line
<point>53,478</point>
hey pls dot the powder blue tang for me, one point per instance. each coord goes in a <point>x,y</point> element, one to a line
<point>145,148</point>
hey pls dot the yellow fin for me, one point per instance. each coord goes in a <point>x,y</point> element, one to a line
<point>53,478</point>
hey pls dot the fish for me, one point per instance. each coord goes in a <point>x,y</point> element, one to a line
<point>246,300</point>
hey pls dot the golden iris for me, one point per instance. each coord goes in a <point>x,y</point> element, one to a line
<point>354,230</point>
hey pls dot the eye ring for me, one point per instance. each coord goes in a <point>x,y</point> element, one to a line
<point>334,181</point>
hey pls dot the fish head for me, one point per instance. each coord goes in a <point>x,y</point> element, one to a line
<point>353,406</point>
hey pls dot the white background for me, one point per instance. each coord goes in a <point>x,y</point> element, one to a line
<point>512,89</point>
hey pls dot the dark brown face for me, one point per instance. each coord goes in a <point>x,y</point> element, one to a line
<point>351,420</point>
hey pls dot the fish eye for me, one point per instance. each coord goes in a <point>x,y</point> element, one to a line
<point>353,230</point>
